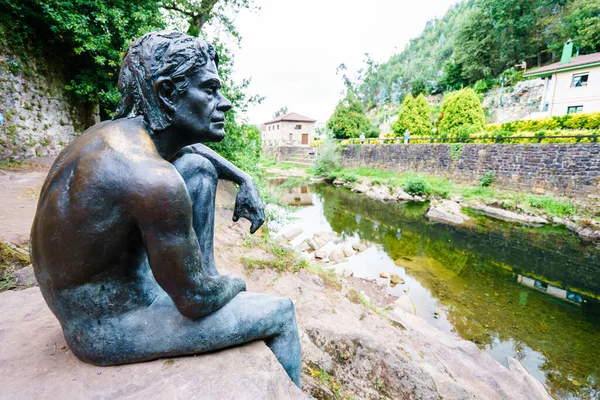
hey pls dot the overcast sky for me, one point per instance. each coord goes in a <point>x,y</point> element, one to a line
<point>291,48</point>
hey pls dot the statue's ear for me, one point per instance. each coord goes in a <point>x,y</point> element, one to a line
<point>165,92</point>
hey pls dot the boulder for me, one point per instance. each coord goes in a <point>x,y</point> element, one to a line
<point>360,188</point>
<point>508,216</point>
<point>568,224</point>
<point>396,279</point>
<point>35,363</point>
<point>348,252</point>
<point>337,256</point>
<point>25,276</point>
<point>347,273</point>
<point>338,182</point>
<point>400,195</point>
<point>589,234</point>
<point>292,233</point>
<point>405,304</point>
<point>313,243</point>
<point>304,246</point>
<point>320,254</point>
<point>380,193</point>
<point>446,211</point>
<point>384,275</point>
<point>359,247</point>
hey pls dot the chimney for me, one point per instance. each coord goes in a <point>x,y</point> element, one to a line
<point>567,52</point>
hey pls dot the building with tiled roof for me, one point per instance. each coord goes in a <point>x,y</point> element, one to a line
<point>290,129</point>
<point>571,85</point>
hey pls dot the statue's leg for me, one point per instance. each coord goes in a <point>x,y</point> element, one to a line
<point>161,331</point>
<point>201,180</point>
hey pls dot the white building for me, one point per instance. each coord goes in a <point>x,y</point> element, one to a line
<point>571,85</point>
<point>290,129</point>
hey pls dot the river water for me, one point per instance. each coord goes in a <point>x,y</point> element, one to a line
<point>529,293</point>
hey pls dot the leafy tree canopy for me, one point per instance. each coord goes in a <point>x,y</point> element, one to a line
<point>90,36</point>
<point>478,40</point>
<point>282,111</point>
<point>349,119</point>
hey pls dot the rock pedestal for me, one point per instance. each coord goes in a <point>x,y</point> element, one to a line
<point>35,363</point>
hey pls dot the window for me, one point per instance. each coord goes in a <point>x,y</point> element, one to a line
<point>277,126</point>
<point>574,109</point>
<point>579,80</point>
<point>291,136</point>
<point>298,127</point>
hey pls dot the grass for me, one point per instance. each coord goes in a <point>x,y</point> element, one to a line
<point>284,259</point>
<point>19,166</point>
<point>442,187</point>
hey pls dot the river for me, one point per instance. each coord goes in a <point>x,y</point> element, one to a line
<point>528,293</point>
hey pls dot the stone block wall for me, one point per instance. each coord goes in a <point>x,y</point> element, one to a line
<point>40,115</point>
<point>561,169</point>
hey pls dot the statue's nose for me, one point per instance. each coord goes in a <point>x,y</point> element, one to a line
<point>224,104</point>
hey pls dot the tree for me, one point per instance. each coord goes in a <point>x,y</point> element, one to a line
<point>202,12</point>
<point>582,24</point>
<point>414,117</point>
<point>461,113</point>
<point>282,111</point>
<point>349,119</point>
<point>89,37</point>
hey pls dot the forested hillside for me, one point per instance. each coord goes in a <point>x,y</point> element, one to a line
<point>478,40</point>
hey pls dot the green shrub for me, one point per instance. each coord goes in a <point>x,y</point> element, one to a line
<point>487,179</point>
<point>416,186</point>
<point>414,116</point>
<point>328,159</point>
<point>461,114</point>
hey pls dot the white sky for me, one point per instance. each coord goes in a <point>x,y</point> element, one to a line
<point>291,48</point>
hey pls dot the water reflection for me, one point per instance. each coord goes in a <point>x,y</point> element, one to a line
<point>531,294</point>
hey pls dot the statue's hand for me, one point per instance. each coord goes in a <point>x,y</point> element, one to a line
<point>249,205</point>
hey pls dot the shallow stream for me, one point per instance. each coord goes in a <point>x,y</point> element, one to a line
<point>528,293</point>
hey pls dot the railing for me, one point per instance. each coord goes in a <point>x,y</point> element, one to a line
<point>475,139</point>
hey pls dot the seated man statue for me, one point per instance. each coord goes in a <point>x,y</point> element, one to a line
<point>122,242</point>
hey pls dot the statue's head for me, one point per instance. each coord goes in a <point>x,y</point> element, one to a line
<point>171,79</point>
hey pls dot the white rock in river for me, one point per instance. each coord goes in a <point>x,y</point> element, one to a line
<point>337,256</point>
<point>348,252</point>
<point>320,254</point>
<point>359,247</point>
<point>292,233</point>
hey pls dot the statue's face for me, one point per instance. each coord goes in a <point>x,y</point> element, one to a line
<point>200,109</point>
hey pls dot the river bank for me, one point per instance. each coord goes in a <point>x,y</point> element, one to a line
<point>456,203</point>
<point>515,291</point>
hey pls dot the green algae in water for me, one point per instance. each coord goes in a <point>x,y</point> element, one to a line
<point>478,273</point>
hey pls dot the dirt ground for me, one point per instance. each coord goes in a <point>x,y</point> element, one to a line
<point>19,192</point>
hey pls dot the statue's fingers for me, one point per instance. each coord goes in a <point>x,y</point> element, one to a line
<point>255,225</point>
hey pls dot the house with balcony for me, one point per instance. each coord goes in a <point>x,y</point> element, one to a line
<point>570,85</point>
<point>291,129</point>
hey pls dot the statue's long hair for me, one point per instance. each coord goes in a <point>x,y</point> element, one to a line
<point>167,54</point>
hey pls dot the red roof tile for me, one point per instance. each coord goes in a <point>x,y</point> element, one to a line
<point>575,62</point>
<point>291,117</point>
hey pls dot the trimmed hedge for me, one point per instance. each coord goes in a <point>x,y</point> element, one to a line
<point>581,121</point>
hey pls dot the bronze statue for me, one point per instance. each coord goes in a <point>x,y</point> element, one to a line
<point>122,242</point>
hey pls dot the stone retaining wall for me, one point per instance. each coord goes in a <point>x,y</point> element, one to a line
<point>561,169</point>
<point>40,115</point>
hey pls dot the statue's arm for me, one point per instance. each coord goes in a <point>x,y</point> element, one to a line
<point>225,169</point>
<point>248,203</point>
<point>163,211</point>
